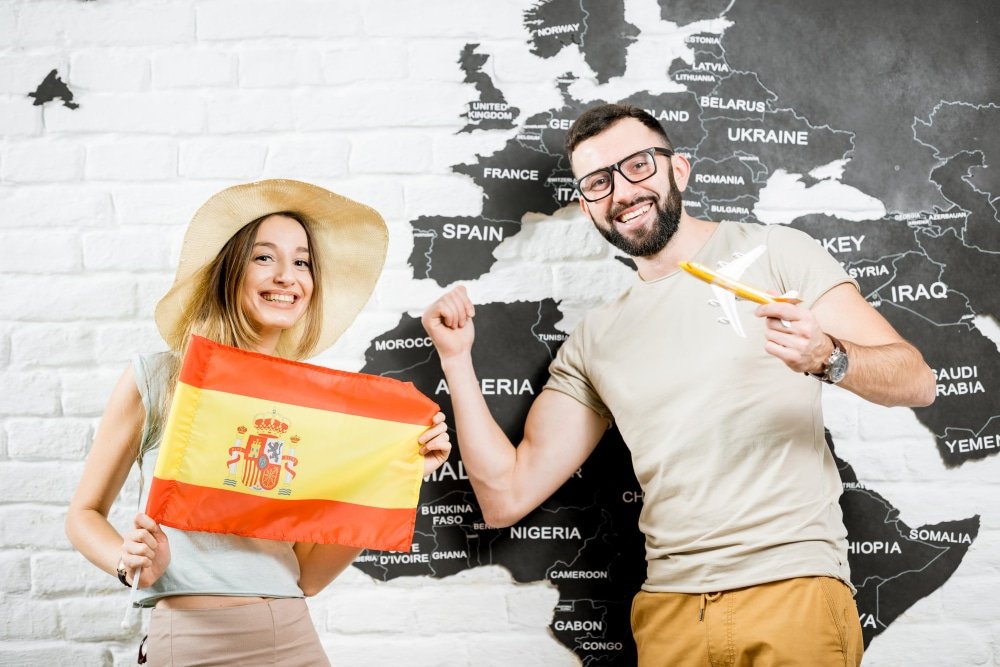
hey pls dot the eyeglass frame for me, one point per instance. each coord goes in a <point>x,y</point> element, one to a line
<point>617,166</point>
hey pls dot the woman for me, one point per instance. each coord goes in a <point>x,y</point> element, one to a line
<point>279,267</point>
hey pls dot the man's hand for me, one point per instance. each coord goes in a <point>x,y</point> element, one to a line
<point>448,321</point>
<point>884,369</point>
<point>793,335</point>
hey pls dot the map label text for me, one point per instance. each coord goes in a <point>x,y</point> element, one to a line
<point>514,174</point>
<point>473,232</point>
<point>545,532</point>
<point>876,547</point>
<point>937,290</point>
<point>940,536</point>
<point>759,135</point>
<point>837,244</point>
<point>756,106</point>
<point>966,445</point>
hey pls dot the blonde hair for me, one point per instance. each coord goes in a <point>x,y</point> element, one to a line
<point>216,309</point>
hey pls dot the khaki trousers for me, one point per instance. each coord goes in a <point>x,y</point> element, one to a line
<point>808,621</point>
<point>276,632</point>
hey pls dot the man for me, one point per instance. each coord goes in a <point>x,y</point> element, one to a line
<point>745,541</point>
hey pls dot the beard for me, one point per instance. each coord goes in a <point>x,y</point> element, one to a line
<point>645,243</point>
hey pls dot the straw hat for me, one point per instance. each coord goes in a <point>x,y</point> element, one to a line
<point>351,239</point>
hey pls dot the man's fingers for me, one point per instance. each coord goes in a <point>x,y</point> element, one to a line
<point>449,312</point>
<point>456,312</point>
<point>780,351</point>
<point>462,294</point>
<point>453,310</point>
<point>782,325</point>
<point>779,311</point>
<point>786,339</point>
<point>461,304</point>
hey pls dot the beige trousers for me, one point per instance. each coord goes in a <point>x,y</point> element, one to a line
<point>808,621</point>
<point>276,632</point>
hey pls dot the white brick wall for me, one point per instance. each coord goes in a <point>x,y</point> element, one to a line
<point>110,70</point>
<point>191,67</point>
<point>132,159</point>
<point>42,160</point>
<point>180,98</point>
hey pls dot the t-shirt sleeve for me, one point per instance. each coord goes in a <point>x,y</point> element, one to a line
<point>798,262</point>
<point>568,373</point>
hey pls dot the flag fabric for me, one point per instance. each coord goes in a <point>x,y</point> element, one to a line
<point>266,447</point>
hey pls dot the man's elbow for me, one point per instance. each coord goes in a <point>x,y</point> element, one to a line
<point>500,503</point>
<point>501,517</point>
<point>928,389</point>
<point>920,381</point>
<point>921,392</point>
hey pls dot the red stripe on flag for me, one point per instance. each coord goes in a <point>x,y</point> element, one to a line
<point>210,365</point>
<point>191,507</point>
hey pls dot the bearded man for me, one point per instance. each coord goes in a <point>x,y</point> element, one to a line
<point>745,541</point>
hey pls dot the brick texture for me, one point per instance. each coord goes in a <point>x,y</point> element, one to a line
<point>181,98</point>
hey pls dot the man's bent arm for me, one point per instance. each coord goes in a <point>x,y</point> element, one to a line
<point>559,434</point>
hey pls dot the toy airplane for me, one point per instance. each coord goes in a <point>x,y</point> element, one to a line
<point>727,288</point>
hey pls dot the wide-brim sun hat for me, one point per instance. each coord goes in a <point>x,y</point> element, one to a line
<point>350,238</point>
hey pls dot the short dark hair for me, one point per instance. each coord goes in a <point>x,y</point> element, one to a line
<point>595,120</point>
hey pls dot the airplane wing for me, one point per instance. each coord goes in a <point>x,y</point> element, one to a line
<point>735,268</point>
<point>726,299</point>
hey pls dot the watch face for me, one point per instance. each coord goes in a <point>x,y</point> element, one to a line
<point>838,368</point>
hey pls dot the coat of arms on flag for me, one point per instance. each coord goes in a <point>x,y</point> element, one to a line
<point>263,456</point>
<point>349,473</point>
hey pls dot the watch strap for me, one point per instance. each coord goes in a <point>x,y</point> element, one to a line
<point>838,347</point>
<point>123,574</point>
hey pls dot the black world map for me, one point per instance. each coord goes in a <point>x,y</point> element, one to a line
<point>744,111</point>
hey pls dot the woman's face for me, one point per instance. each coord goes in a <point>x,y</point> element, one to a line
<point>278,282</point>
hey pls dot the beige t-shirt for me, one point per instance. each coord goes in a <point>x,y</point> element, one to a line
<point>727,442</point>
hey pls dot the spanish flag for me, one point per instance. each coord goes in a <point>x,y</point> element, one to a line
<point>266,447</point>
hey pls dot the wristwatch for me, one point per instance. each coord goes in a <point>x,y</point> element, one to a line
<point>835,367</point>
<point>123,573</point>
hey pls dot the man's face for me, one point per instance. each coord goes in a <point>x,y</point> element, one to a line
<point>637,218</point>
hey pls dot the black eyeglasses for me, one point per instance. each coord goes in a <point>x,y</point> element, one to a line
<point>636,167</point>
